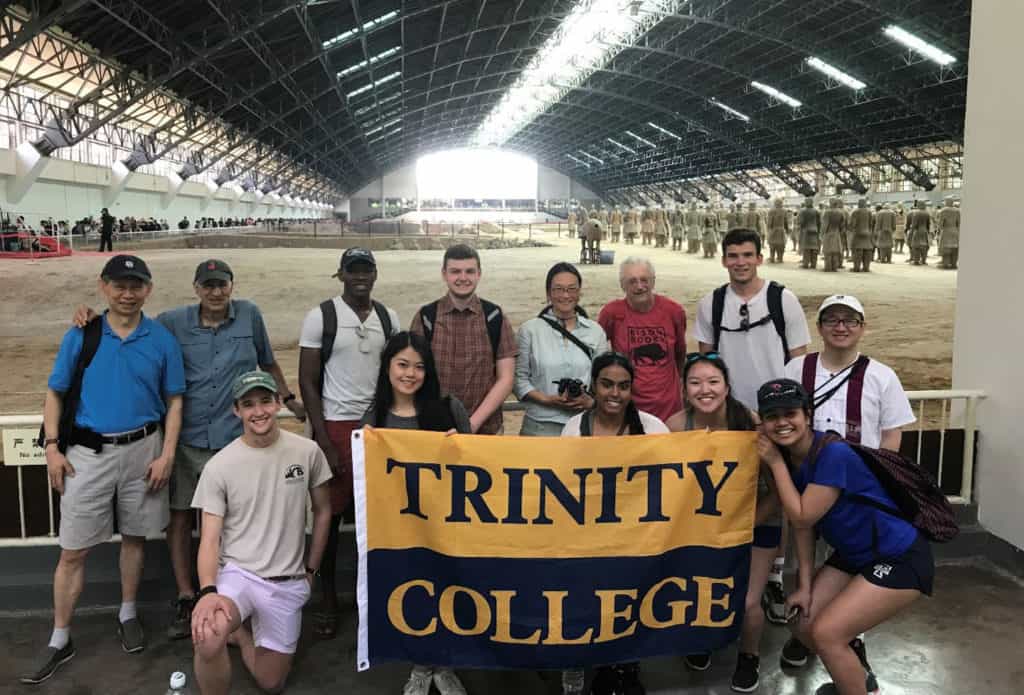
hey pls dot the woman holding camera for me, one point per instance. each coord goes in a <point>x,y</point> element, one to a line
<point>555,352</point>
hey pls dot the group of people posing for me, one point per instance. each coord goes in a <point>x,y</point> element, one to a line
<point>833,231</point>
<point>191,399</point>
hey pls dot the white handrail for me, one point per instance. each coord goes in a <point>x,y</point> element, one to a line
<point>945,397</point>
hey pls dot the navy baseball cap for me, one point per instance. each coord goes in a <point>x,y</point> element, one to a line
<point>123,266</point>
<point>781,394</point>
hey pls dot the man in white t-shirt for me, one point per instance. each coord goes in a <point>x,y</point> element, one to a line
<point>756,327</point>
<point>253,496</point>
<point>337,379</point>
<point>748,334</point>
<point>839,372</point>
<point>854,395</point>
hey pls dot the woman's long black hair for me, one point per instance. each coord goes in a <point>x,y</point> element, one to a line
<point>384,396</point>
<point>609,359</point>
<point>562,267</point>
<point>737,416</point>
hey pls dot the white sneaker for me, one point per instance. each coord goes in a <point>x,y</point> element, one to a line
<point>419,681</point>
<point>448,683</point>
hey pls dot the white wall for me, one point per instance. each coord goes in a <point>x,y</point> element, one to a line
<point>70,191</point>
<point>989,330</point>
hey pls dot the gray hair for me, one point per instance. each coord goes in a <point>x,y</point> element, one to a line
<point>635,260</point>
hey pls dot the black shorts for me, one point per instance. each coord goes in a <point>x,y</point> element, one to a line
<point>914,569</point>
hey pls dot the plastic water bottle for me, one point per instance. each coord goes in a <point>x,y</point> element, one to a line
<point>572,682</point>
<point>178,684</point>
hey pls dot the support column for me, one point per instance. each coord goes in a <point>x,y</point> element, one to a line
<point>28,165</point>
<point>174,184</point>
<point>988,330</point>
<point>119,175</point>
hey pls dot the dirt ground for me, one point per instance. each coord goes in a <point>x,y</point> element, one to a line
<point>909,309</point>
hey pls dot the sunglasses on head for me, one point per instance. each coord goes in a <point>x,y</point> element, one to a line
<point>695,356</point>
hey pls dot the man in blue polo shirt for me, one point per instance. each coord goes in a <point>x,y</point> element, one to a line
<point>221,338</point>
<point>116,452</point>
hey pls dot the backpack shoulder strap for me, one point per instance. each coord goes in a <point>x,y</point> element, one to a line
<point>717,311</point>
<point>778,316</point>
<point>91,335</point>
<point>330,332</point>
<point>493,319</point>
<point>809,372</point>
<point>428,316</point>
<point>384,318</point>
<point>586,428</point>
<point>854,393</point>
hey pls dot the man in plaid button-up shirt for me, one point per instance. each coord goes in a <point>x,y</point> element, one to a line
<point>468,367</point>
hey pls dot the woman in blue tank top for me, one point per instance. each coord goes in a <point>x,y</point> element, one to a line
<point>880,564</point>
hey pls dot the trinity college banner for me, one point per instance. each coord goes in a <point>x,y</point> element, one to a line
<point>550,552</point>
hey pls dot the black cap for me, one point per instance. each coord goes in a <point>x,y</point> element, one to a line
<point>354,255</point>
<point>213,269</point>
<point>781,394</point>
<point>122,266</point>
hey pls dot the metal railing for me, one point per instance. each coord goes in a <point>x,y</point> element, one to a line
<point>939,410</point>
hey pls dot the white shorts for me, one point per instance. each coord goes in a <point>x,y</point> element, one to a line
<point>275,607</point>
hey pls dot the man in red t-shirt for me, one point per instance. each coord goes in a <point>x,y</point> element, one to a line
<point>651,329</point>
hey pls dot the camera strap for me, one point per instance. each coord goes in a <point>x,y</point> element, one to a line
<point>566,334</point>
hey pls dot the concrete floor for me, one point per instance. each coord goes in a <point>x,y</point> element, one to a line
<point>966,640</point>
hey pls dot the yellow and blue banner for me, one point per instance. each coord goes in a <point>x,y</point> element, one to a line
<point>536,552</point>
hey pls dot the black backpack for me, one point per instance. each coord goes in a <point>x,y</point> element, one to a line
<point>775,312</point>
<point>919,501</point>
<point>91,335</point>
<point>331,331</point>
<point>492,317</point>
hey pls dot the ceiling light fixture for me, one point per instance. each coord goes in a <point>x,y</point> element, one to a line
<point>663,131</point>
<point>636,137</point>
<point>590,156</point>
<point>919,45</point>
<point>620,145</point>
<point>366,63</point>
<point>781,96</point>
<point>728,109</point>
<point>835,73</point>
<point>368,87</point>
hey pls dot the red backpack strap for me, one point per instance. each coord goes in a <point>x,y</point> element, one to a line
<point>854,393</point>
<point>810,371</point>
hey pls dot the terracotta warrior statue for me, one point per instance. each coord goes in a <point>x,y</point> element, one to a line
<point>694,228</point>
<point>809,224</point>
<point>833,231</point>
<point>709,234</point>
<point>778,231</point>
<point>862,243</point>
<point>919,227</point>
<point>949,234</point>
<point>885,229</point>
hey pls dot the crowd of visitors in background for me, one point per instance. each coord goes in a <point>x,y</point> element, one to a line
<point>207,371</point>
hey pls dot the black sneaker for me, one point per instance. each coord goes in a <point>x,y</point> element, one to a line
<point>629,680</point>
<point>133,639</point>
<point>181,625</point>
<point>606,681</point>
<point>745,678</point>
<point>49,661</point>
<point>698,662</point>
<point>794,653</point>
<point>871,685</point>
<point>773,600</point>
<point>858,647</point>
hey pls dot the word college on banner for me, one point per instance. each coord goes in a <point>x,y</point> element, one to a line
<point>538,552</point>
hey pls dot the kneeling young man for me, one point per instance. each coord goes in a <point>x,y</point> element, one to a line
<point>253,497</point>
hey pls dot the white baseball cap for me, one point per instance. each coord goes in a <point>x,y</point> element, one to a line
<point>847,300</point>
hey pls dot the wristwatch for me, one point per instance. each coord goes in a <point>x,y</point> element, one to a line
<point>289,398</point>
<point>210,589</point>
<point>314,572</point>
<point>48,442</point>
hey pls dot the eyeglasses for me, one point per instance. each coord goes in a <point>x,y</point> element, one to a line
<point>694,356</point>
<point>834,321</point>
<point>569,291</point>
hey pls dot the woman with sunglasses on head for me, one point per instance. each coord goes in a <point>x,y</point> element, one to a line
<point>708,404</point>
<point>555,351</point>
<point>613,414</point>
<point>408,397</point>
<point>880,564</point>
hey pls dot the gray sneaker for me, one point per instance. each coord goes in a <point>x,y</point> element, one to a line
<point>181,626</point>
<point>133,639</point>
<point>49,661</point>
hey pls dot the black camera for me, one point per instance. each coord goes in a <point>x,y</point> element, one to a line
<point>572,388</point>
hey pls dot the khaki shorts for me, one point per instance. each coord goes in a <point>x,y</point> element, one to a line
<point>116,475</point>
<point>188,466</point>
